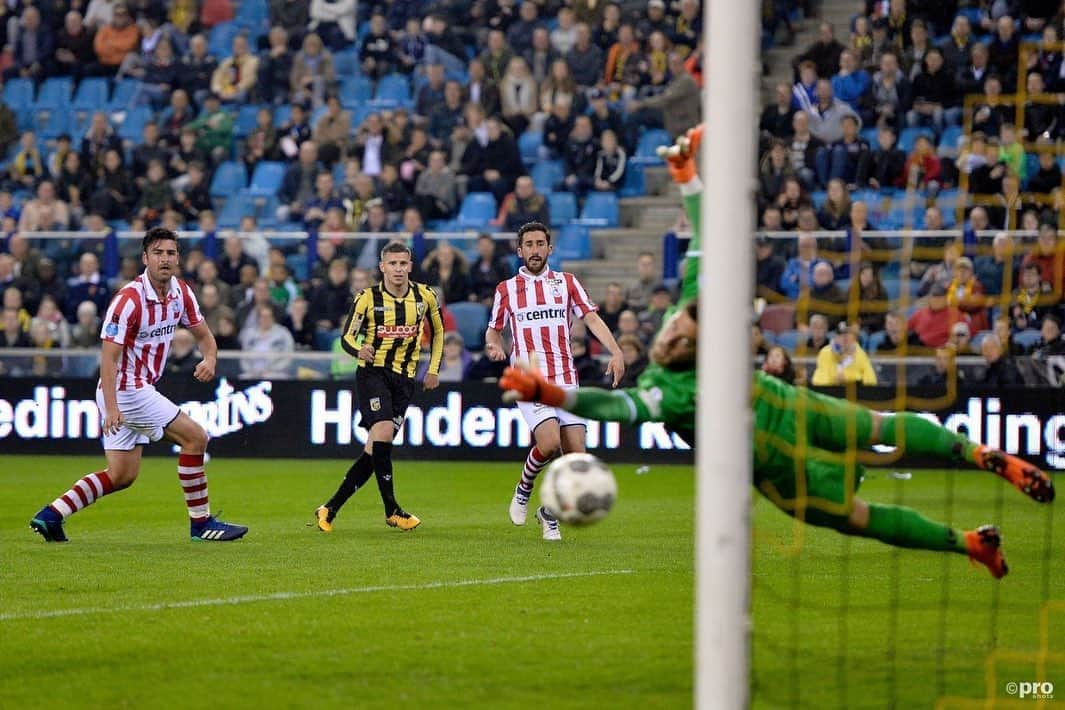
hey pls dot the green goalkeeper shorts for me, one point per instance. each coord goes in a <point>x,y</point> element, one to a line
<point>819,491</point>
<point>816,431</point>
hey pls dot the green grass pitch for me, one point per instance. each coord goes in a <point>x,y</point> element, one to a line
<point>469,610</point>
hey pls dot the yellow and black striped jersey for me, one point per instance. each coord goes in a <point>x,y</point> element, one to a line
<point>393,326</point>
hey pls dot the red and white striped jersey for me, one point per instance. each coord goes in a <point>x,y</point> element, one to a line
<point>144,326</point>
<point>538,309</point>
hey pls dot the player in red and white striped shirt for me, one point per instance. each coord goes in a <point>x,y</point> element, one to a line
<point>137,332</point>
<point>537,305</point>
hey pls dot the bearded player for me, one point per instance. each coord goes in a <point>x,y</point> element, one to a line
<point>537,304</point>
<point>800,437</point>
<point>137,332</point>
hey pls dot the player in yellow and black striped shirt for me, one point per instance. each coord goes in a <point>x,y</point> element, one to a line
<point>389,319</point>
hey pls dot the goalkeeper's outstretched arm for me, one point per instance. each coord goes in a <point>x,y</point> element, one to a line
<point>681,159</point>
<point>628,406</point>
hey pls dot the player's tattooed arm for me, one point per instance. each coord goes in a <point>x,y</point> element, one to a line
<point>349,339</point>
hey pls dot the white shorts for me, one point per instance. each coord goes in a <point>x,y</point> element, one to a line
<point>146,413</point>
<point>536,414</point>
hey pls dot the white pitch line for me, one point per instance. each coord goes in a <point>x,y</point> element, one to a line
<point>284,596</point>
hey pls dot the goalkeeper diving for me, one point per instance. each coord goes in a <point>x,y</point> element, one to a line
<point>801,438</point>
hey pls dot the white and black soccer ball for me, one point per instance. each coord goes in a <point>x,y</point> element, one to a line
<point>578,489</point>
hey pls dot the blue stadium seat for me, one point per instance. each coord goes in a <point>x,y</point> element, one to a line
<point>870,136</point>
<point>125,90</point>
<point>891,289</point>
<point>230,177</point>
<point>874,341</point>
<point>354,89</point>
<point>246,120</point>
<point>91,95</point>
<point>478,208</point>
<point>18,94</point>
<point>573,242</point>
<point>908,137</point>
<point>648,143</point>
<point>1031,165</point>
<point>472,320</point>
<point>220,39</point>
<point>360,112</point>
<point>281,114</point>
<point>788,339</point>
<point>267,177</point>
<point>346,62</point>
<point>978,338</point>
<point>235,208</point>
<point>563,206</point>
<point>132,126</point>
<point>635,184</point>
<point>546,174</point>
<point>393,88</point>
<point>324,339</point>
<point>601,209</point>
<point>1028,338</point>
<point>948,141</point>
<point>973,13</point>
<point>265,206</point>
<point>54,94</point>
<point>79,124</point>
<point>253,14</point>
<point>529,144</point>
<point>947,200</point>
<point>818,197</point>
<point>297,265</point>
<point>51,124</point>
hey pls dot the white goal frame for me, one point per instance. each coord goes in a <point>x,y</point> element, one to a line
<point>731,70</point>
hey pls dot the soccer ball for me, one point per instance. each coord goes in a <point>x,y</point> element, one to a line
<point>578,489</point>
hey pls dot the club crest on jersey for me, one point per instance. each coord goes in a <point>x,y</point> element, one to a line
<point>111,330</point>
<point>556,287</point>
<point>375,404</point>
<point>421,309</point>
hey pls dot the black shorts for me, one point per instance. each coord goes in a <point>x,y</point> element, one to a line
<point>383,395</point>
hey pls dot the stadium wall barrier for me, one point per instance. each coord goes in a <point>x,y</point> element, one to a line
<point>316,419</point>
<point>307,419</point>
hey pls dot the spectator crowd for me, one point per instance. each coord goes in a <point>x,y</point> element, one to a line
<point>910,121</point>
<point>374,117</point>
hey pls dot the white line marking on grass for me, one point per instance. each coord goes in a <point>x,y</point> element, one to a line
<point>285,596</point>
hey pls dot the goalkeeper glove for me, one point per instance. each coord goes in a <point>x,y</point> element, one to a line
<point>680,157</point>
<point>525,384</point>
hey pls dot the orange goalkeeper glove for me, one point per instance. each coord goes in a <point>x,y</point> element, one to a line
<point>680,157</point>
<point>525,384</point>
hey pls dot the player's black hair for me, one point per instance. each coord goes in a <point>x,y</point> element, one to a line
<point>395,248</point>
<point>157,234</point>
<point>534,227</point>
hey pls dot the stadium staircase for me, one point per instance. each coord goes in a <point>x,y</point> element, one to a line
<point>643,222</point>
<point>645,219</point>
<point>778,58</point>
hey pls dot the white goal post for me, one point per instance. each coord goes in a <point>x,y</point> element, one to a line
<point>731,69</point>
